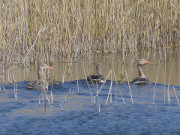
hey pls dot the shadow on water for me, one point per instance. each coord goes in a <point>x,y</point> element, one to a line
<point>78,113</point>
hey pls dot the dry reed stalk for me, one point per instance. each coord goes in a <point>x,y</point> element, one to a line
<point>15,91</point>
<point>119,88</point>
<point>69,65</point>
<point>116,97</point>
<point>77,77</point>
<point>129,88</point>
<point>110,92</point>
<point>85,75</point>
<point>9,72</point>
<point>168,91</point>
<point>62,108</point>
<point>176,96</point>
<point>63,72</point>
<point>52,97</point>
<point>70,91</point>
<point>99,110</point>
<point>34,43</point>
<point>15,85</point>
<point>78,84</point>
<point>39,97</point>
<point>78,27</point>
<point>93,100</point>
<point>65,99</point>
<point>97,93</point>
<point>165,61</point>
<point>156,82</point>
<point>3,90</point>
<point>99,101</point>
<point>95,88</point>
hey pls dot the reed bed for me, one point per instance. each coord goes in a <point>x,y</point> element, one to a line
<point>48,30</point>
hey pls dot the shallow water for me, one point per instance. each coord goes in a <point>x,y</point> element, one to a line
<point>77,109</point>
<point>164,68</point>
<point>81,115</point>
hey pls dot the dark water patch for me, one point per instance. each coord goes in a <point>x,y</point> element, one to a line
<point>77,113</point>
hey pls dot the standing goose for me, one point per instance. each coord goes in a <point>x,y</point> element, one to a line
<point>98,78</point>
<point>42,81</point>
<point>141,79</point>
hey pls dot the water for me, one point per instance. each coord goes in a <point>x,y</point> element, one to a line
<point>77,109</point>
<point>81,115</point>
<point>76,69</point>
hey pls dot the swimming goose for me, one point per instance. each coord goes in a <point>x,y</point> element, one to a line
<point>98,78</point>
<point>42,81</point>
<point>141,79</point>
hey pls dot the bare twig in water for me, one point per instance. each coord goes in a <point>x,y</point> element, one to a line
<point>95,88</point>
<point>176,96</point>
<point>129,88</point>
<point>110,91</point>
<point>119,88</point>
<point>9,70</point>
<point>165,78</point>
<point>77,77</point>
<point>156,83</point>
<point>15,85</point>
<point>4,90</point>
<point>52,97</point>
<point>15,90</point>
<point>171,69</point>
<point>102,84</point>
<point>62,108</point>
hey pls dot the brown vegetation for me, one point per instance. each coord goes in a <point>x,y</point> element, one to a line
<point>49,29</point>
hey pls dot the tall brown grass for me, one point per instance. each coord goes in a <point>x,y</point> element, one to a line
<point>33,30</point>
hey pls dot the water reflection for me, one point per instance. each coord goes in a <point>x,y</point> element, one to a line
<point>165,68</point>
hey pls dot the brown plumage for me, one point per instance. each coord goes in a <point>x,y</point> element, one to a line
<point>42,82</point>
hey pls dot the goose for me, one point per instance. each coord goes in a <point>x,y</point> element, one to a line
<point>97,78</point>
<point>42,82</point>
<point>141,79</point>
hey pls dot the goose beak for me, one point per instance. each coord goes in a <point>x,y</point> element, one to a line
<point>49,67</point>
<point>147,62</point>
